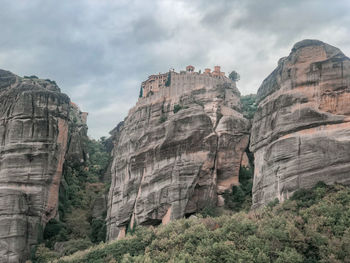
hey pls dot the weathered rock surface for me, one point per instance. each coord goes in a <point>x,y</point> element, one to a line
<point>77,135</point>
<point>33,140</point>
<point>169,164</point>
<point>301,130</point>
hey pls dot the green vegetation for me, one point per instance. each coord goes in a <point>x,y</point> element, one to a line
<point>51,81</point>
<point>168,81</point>
<point>162,119</point>
<point>35,77</point>
<point>81,186</point>
<point>141,92</point>
<point>31,77</point>
<point>249,106</point>
<point>313,226</point>
<point>240,198</point>
<point>177,107</point>
<point>234,76</point>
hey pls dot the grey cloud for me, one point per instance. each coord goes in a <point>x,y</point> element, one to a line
<point>99,51</point>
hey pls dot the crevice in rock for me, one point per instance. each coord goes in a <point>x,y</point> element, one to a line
<point>192,192</point>
<point>133,214</point>
<point>218,118</point>
<point>152,222</point>
<point>214,169</point>
<point>32,117</point>
<point>47,117</point>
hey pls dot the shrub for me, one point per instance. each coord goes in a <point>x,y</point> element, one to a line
<point>308,197</point>
<point>54,231</point>
<point>177,107</point>
<point>31,77</point>
<point>234,76</point>
<point>316,233</point>
<point>162,119</point>
<point>78,224</point>
<point>51,81</point>
<point>273,203</point>
<point>209,211</point>
<point>75,245</point>
<point>98,230</point>
<point>53,227</point>
<point>44,255</point>
<point>249,106</point>
<point>239,198</point>
<point>168,81</point>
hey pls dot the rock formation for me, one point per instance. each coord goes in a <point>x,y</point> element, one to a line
<point>174,155</point>
<point>76,148</point>
<point>301,130</point>
<point>34,124</point>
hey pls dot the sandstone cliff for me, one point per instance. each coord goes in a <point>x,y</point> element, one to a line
<point>34,124</point>
<point>301,130</point>
<point>77,135</point>
<point>175,155</point>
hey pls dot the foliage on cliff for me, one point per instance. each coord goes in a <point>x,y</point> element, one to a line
<point>234,76</point>
<point>313,226</point>
<point>240,198</point>
<point>168,81</point>
<point>81,186</point>
<point>249,105</point>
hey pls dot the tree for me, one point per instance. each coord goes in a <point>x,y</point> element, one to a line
<point>168,81</point>
<point>234,76</point>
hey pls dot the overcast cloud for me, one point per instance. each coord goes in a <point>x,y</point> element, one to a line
<point>99,51</point>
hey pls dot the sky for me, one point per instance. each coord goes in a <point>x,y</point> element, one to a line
<point>99,51</point>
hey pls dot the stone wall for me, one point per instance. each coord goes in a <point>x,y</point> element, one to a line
<point>182,83</point>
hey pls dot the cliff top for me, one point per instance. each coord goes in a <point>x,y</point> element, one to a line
<point>7,79</point>
<point>307,42</point>
<point>273,82</point>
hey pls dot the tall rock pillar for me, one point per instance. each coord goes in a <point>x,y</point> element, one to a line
<point>174,155</point>
<point>33,139</point>
<point>301,130</point>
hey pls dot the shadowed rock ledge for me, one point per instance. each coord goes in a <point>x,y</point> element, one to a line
<point>301,130</point>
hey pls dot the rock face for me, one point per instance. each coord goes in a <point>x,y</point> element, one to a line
<point>33,140</point>
<point>301,130</point>
<point>77,135</point>
<point>175,155</point>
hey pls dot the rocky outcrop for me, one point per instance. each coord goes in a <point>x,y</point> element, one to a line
<point>33,142</point>
<point>301,130</point>
<point>77,142</point>
<point>175,155</point>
